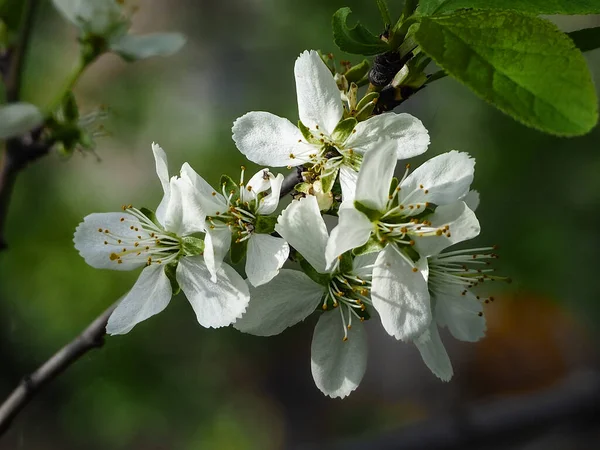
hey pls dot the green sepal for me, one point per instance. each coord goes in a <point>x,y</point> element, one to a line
<point>373,245</point>
<point>370,97</point>
<point>231,187</point>
<point>171,273</point>
<point>192,246</point>
<point>238,250</point>
<point>319,278</point>
<point>344,129</point>
<point>346,262</point>
<point>328,181</point>
<point>308,135</point>
<point>150,215</point>
<point>358,72</point>
<point>303,187</point>
<point>410,252</point>
<point>393,187</point>
<point>357,40</point>
<point>366,112</point>
<point>372,214</point>
<point>70,108</point>
<point>265,224</point>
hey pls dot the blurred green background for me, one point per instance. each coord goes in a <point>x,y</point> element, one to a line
<point>170,384</point>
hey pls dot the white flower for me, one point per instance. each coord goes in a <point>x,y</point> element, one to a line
<point>328,141</point>
<point>241,210</point>
<point>339,347</point>
<point>419,217</point>
<point>451,276</point>
<point>109,20</point>
<point>163,244</point>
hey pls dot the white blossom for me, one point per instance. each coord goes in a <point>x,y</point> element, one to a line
<point>241,211</point>
<point>164,245</point>
<point>339,348</point>
<point>110,20</point>
<point>328,141</point>
<point>419,217</point>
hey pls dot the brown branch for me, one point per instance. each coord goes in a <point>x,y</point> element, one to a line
<point>92,337</point>
<point>19,152</point>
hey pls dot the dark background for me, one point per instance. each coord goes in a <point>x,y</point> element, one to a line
<point>171,384</point>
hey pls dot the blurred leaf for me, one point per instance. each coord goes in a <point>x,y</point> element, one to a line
<point>586,39</point>
<point>357,40</point>
<point>523,65</point>
<point>11,12</point>
<point>133,48</point>
<point>384,10</point>
<point>430,7</point>
<point>19,118</point>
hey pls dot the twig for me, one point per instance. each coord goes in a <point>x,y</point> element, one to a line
<point>19,152</point>
<point>92,337</point>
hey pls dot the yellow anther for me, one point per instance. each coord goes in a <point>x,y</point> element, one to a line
<point>113,256</point>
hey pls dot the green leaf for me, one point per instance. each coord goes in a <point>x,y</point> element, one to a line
<point>384,10</point>
<point>17,119</point>
<point>357,40</point>
<point>523,65</point>
<point>586,39</point>
<point>431,7</point>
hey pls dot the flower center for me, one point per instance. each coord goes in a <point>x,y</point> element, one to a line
<point>351,291</point>
<point>147,243</point>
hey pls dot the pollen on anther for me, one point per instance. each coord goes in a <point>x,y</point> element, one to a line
<point>421,186</point>
<point>439,232</point>
<point>414,269</point>
<point>412,242</point>
<point>119,261</point>
<point>122,219</point>
<point>105,242</point>
<point>131,227</point>
<point>119,241</point>
<point>345,338</point>
<point>100,230</point>
<point>325,307</point>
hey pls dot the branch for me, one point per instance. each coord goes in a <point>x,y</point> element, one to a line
<point>92,337</point>
<point>19,152</point>
<point>502,423</point>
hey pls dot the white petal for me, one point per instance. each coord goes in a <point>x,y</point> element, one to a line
<point>210,200</point>
<point>434,354</point>
<point>268,204</point>
<point>375,177</point>
<point>162,170</point>
<point>400,295</point>
<point>446,178</point>
<point>150,294</point>
<point>352,231</point>
<point>407,134</point>
<point>338,366</point>
<point>215,304</point>
<point>472,200</point>
<point>216,245</point>
<point>288,299</point>
<point>68,8</point>
<point>133,48</point>
<point>302,226</point>
<point>193,219</point>
<point>364,261</point>
<point>17,119</point>
<point>319,99</point>
<point>463,225</point>
<point>460,313</point>
<point>89,241</point>
<point>348,180</point>
<point>265,138</point>
<point>266,255</point>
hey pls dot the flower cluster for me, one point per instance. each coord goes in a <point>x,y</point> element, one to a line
<point>385,259</point>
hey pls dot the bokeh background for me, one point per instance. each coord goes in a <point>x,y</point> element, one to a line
<point>170,384</point>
